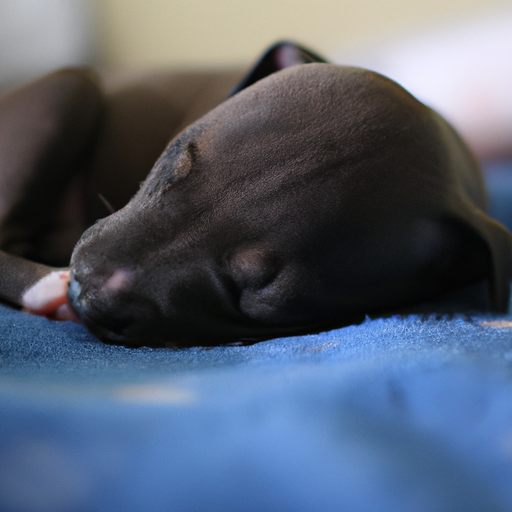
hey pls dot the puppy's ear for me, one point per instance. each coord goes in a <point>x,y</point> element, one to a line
<point>498,241</point>
<point>279,56</point>
<point>476,247</point>
<point>46,128</point>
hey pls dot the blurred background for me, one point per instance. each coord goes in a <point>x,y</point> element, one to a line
<point>41,34</point>
<point>453,54</point>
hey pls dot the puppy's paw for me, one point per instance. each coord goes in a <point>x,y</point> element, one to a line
<point>48,297</point>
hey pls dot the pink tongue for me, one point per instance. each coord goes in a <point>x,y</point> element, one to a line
<point>48,297</point>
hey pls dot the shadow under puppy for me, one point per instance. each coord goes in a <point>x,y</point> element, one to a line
<point>315,194</point>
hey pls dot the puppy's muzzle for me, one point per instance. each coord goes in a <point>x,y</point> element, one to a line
<point>106,305</point>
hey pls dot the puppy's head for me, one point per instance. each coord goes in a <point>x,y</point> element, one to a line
<point>314,195</point>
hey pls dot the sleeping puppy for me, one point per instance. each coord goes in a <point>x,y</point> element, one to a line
<point>313,195</point>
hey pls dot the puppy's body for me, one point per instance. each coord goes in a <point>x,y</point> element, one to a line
<point>315,195</point>
<point>94,137</point>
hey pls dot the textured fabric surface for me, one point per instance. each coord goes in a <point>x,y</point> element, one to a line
<point>407,413</point>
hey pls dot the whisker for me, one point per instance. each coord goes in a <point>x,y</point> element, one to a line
<point>108,206</point>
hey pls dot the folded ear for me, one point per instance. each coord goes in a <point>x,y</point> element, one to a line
<point>279,56</point>
<point>499,245</point>
<point>46,128</point>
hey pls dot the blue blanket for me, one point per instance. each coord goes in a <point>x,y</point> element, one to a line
<point>406,413</point>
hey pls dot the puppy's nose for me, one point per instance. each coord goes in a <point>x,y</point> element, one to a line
<point>74,288</point>
<point>110,307</point>
<point>102,289</point>
<point>75,294</point>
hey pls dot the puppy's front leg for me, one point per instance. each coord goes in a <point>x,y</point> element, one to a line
<point>36,288</point>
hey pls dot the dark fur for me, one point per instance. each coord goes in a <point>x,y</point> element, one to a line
<point>316,195</point>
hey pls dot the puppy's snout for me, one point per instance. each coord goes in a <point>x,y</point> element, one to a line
<point>100,287</point>
<point>111,306</point>
<point>119,281</point>
<point>74,292</point>
<point>96,296</point>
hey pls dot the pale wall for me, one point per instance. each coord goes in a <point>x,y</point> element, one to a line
<point>152,33</point>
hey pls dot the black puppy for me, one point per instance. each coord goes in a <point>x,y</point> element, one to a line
<point>314,195</point>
